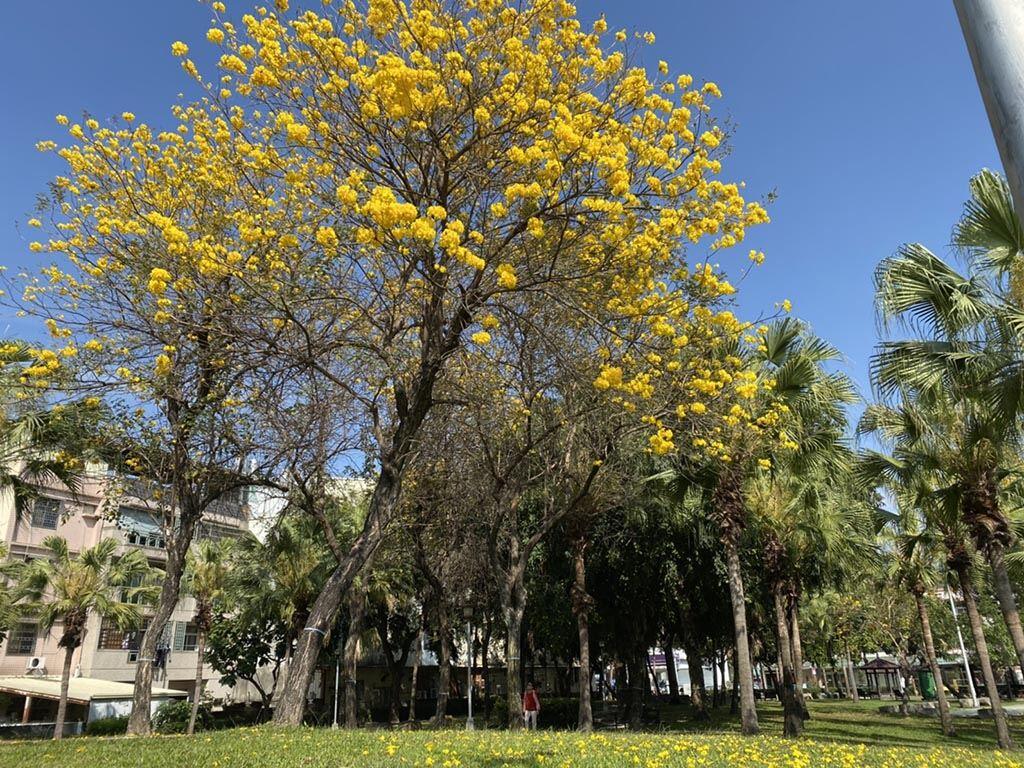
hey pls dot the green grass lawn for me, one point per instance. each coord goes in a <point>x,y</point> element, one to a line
<point>839,735</point>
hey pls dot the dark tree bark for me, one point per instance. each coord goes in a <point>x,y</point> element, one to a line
<point>698,693</point>
<point>444,662</point>
<point>581,605</point>
<point>670,670</point>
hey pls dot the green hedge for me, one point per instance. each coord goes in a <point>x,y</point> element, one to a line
<point>172,717</point>
<point>107,726</point>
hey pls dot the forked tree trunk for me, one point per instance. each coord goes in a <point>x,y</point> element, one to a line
<point>139,721</point>
<point>984,660</point>
<point>65,683</point>
<point>748,711</point>
<point>197,688</point>
<point>792,723</point>
<point>1007,599</point>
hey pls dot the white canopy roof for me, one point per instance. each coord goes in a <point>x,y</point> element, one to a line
<point>81,690</point>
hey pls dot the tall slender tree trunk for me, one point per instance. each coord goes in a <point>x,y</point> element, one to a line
<point>416,659</point>
<point>984,660</point>
<point>792,723</point>
<point>734,696</point>
<point>852,674</point>
<point>513,666</point>
<point>637,672</point>
<point>670,670</point>
<point>65,683</point>
<point>1007,599</point>
<point>581,603</point>
<point>485,665</point>
<point>197,688</point>
<point>444,662</point>
<point>798,655</point>
<point>350,662</point>
<point>748,710</point>
<point>698,694</point>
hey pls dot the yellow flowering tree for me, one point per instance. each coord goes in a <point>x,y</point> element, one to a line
<point>154,282</point>
<point>362,187</point>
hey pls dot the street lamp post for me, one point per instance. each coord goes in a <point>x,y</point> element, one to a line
<point>994,32</point>
<point>963,650</point>
<point>468,614</point>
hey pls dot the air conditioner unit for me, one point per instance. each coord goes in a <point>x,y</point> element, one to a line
<point>36,666</point>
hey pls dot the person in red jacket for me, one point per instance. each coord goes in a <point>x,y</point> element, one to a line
<point>531,707</point>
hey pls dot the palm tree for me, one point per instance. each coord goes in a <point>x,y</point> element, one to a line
<point>812,399</point>
<point>10,572</point>
<point>205,578</point>
<point>66,588</point>
<point>920,469</point>
<point>913,567</point>
<point>965,341</point>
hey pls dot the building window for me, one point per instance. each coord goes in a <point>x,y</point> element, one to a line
<point>186,636</point>
<point>22,640</point>
<point>45,513</point>
<point>135,581</point>
<point>112,638</point>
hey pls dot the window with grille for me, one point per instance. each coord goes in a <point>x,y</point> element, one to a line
<point>113,638</point>
<point>22,640</point>
<point>45,513</point>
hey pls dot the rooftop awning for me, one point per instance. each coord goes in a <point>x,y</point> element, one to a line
<point>81,690</point>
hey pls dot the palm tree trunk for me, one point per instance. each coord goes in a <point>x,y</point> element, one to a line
<point>792,722</point>
<point>984,660</point>
<point>933,663</point>
<point>65,682</point>
<point>1007,599</point>
<point>798,656</point>
<point>197,690</point>
<point>748,711</point>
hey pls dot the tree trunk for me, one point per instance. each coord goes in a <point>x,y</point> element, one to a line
<point>734,696</point>
<point>636,669</point>
<point>139,721</point>
<point>698,695</point>
<point>581,603</point>
<point>748,711</point>
<point>798,656</point>
<point>513,663</point>
<point>670,671</point>
<point>981,646</point>
<point>1007,600</point>
<point>350,662</point>
<point>416,659</point>
<point>792,723</point>
<point>197,689</point>
<point>485,666</point>
<point>444,663</point>
<point>291,705</point>
<point>852,673</point>
<point>65,682</point>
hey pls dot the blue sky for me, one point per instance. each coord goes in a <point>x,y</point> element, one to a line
<point>864,117</point>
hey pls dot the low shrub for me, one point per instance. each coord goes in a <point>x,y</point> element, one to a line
<point>172,717</point>
<point>107,726</point>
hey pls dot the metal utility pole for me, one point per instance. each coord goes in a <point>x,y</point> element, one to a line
<point>994,31</point>
<point>963,650</point>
